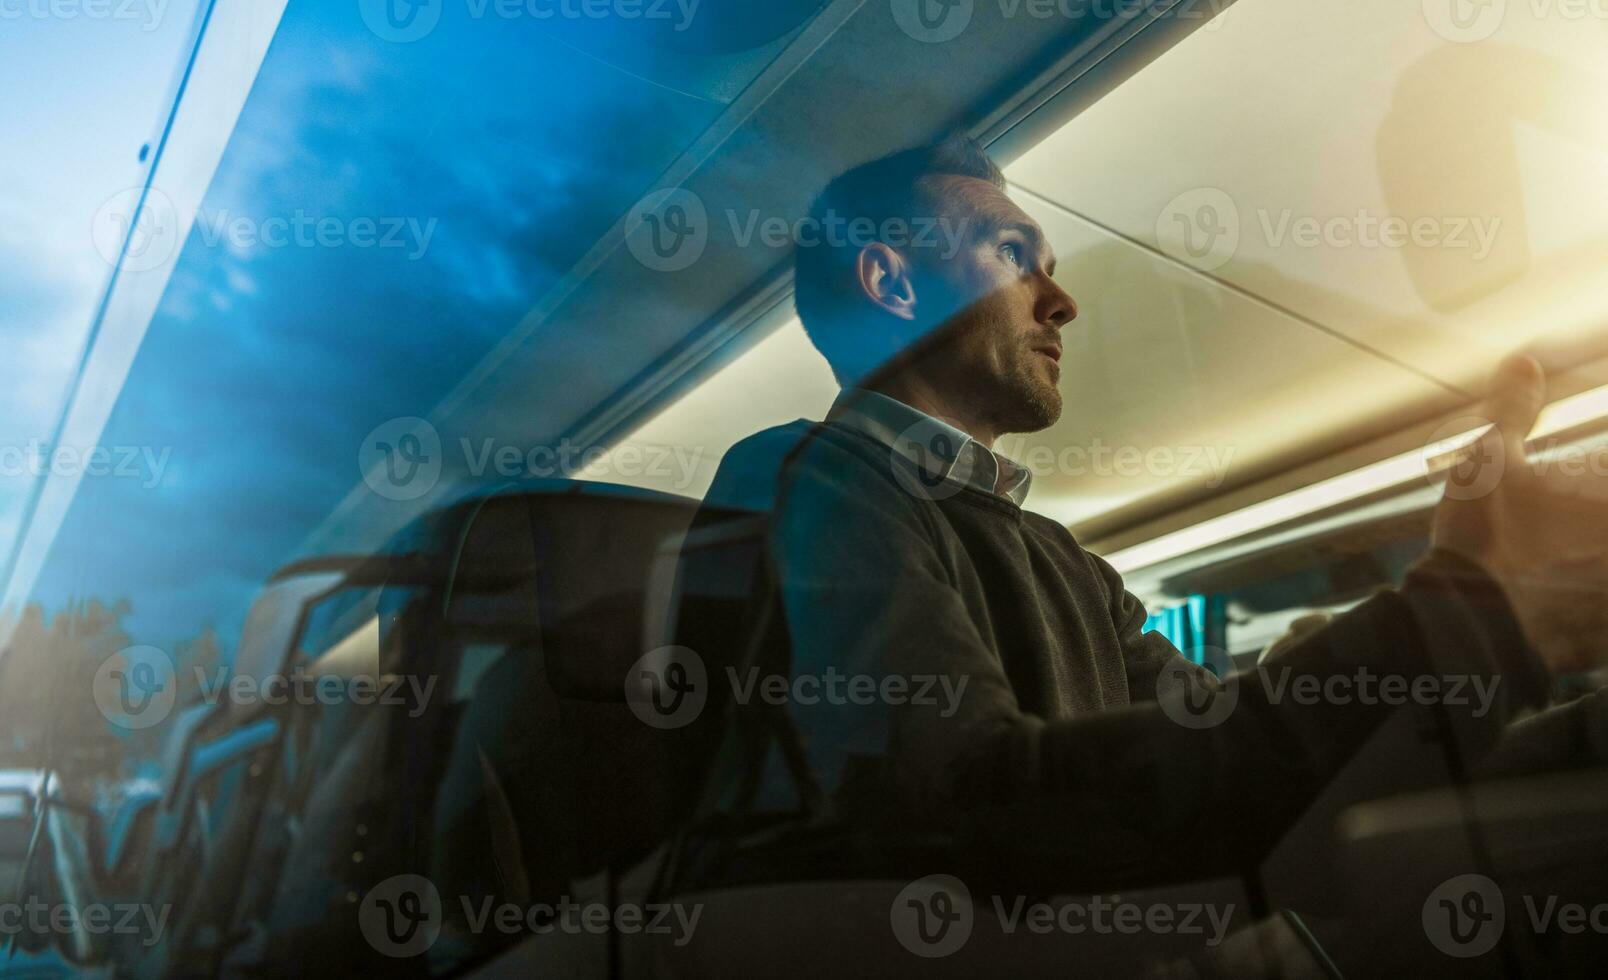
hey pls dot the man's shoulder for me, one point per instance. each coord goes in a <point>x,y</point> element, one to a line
<point>746,478</point>
<point>751,471</point>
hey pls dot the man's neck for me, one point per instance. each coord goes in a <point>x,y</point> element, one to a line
<point>923,396</point>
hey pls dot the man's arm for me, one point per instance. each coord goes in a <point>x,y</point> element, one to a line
<point>1568,736</point>
<point>1446,639</point>
<point>1465,638</point>
<point>867,590</point>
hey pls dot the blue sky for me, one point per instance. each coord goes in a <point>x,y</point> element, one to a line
<point>71,140</point>
<point>265,366</point>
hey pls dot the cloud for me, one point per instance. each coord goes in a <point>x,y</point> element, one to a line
<point>264,367</point>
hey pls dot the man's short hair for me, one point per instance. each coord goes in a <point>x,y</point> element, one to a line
<point>879,195</point>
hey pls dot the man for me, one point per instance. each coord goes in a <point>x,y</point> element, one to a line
<point>905,556</point>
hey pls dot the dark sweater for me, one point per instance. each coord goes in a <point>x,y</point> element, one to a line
<point>1059,717</point>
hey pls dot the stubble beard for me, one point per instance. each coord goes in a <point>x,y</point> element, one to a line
<point>1035,403</point>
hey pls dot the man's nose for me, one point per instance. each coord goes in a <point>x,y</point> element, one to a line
<point>1056,307</point>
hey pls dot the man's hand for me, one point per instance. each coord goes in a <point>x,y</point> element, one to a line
<point>1541,531</point>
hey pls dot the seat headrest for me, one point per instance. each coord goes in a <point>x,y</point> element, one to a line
<point>573,569</point>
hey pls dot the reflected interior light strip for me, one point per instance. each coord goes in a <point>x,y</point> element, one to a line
<point>1418,464</point>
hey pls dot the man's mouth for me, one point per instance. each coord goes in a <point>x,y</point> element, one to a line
<point>1052,351</point>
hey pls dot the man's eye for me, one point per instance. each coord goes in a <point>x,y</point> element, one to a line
<point>1012,253</point>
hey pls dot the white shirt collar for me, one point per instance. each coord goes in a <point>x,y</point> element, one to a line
<point>939,448</point>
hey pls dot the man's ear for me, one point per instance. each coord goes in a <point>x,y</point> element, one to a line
<point>885,279</point>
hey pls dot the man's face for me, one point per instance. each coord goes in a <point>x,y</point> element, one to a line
<point>998,311</point>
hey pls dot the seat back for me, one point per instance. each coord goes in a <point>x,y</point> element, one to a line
<point>715,584</point>
<point>527,769</point>
<point>571,757</point>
